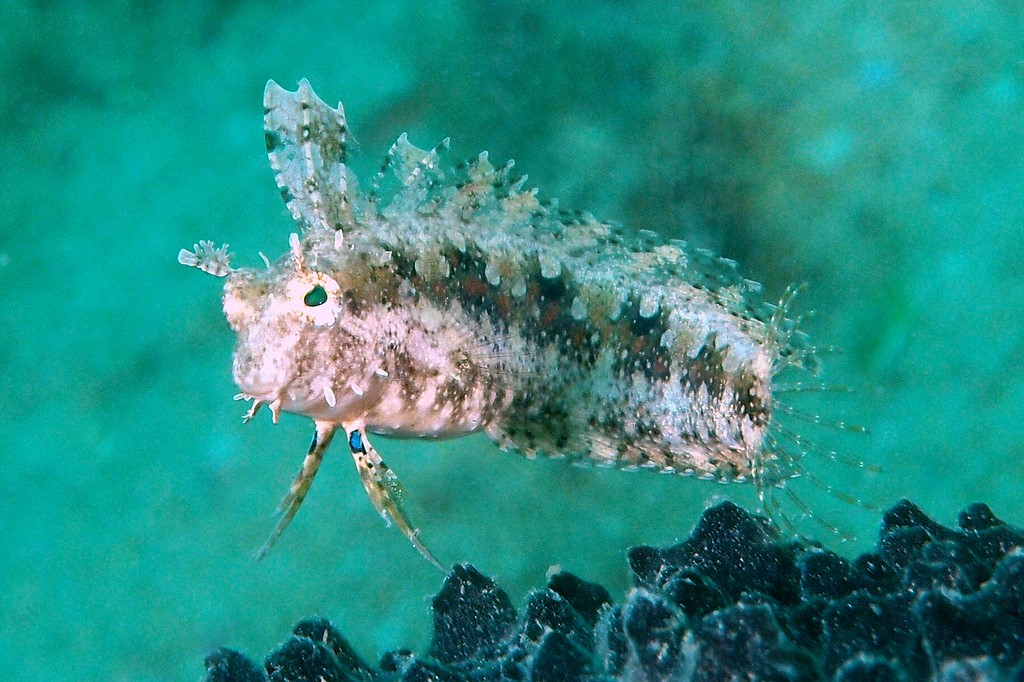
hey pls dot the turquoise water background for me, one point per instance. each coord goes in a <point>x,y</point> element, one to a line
<point>874,151</point>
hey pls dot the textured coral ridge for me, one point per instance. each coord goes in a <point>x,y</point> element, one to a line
<point>730,602</point>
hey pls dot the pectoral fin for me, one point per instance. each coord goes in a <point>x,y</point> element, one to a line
<point>300,486</point>
<point>382,486</point>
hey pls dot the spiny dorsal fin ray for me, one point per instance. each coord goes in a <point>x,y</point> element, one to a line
<point>306,142</point>
<point>409,175</point>
<point>413,165</point>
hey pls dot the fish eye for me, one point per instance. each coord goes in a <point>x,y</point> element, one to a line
<point>315,296</point>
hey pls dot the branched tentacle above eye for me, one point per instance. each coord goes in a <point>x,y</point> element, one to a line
<point>204,256</point>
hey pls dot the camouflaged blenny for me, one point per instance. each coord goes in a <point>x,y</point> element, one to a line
<point>441,301</point>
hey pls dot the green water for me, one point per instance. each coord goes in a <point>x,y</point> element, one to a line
<point>875,154</point>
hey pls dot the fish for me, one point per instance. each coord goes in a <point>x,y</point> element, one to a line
<point>445,299</point>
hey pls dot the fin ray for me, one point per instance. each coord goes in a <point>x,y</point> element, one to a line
<point>307,142</point>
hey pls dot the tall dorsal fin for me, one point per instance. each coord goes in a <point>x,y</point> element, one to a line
<point>306,143</point>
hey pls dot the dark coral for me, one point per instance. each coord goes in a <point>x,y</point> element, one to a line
<point>730,602</point>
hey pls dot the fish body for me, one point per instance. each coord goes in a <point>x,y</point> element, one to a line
<point>442,300</point>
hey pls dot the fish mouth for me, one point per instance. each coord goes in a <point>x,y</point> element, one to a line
<point>278,399</point>
<point>261,372</point>
<point>264,396</point>
<point>267,391</point>
<point>286,398</point>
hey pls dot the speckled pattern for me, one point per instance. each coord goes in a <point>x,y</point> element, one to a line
<point>872,151</point>
<point>443,301</point>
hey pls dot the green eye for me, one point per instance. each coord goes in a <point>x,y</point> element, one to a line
<point>316,296</point>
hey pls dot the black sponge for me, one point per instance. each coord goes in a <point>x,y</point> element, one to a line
<point>730,602</point>
<point>472,617</point>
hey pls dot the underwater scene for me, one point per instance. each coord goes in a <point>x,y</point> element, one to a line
<point>862,164</point>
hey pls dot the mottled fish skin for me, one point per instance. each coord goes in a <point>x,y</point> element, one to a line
<point>444,300</point>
